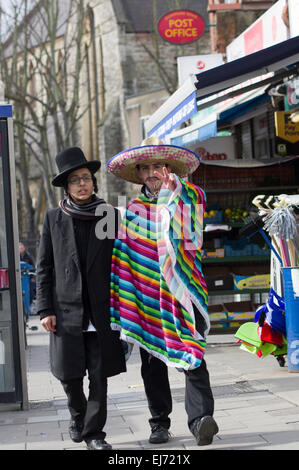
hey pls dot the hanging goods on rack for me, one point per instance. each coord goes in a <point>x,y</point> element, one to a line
<point>255,225</point>
<point>266,335</point>
<point>272,313</point>
<point>277,213</point>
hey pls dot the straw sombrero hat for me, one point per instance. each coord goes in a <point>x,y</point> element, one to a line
<point>152,150</point>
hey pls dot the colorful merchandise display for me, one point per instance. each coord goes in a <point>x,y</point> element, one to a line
<point>275,329</point>
<point>267,334</point>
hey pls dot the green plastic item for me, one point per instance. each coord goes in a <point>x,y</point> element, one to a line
<point>251,342</point>
<point>248,333</point>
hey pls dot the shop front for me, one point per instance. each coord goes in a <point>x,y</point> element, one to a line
<point>13,383</point>
<point>234,86</point>
<point>232,128</point>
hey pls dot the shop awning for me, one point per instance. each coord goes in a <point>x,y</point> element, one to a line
<point>198,132</point>
<point>238,110</point>
<point>240,163</point>
<point>206,127</point>
<point>177,109</point>
<point>261,68</point>
<point>281,55</point>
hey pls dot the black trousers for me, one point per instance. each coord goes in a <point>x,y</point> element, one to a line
<point>92,412</point>
<point>199,399</point>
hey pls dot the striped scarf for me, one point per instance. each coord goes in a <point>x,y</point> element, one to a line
<point>81,211</point>
<point>156,276</point>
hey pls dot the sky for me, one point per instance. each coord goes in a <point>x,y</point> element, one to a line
<point>8,8</point>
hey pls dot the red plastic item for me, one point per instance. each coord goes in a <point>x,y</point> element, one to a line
<point>267,334</point>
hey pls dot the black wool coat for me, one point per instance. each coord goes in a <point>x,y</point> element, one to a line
<point>59,290</point>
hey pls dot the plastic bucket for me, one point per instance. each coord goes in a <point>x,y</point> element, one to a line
<point>291,298</point>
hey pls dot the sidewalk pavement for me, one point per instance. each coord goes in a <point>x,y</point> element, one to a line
<point>256,404</point>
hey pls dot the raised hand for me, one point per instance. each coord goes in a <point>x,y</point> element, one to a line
<point>167,178</point>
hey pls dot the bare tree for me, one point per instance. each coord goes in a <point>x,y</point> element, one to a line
<point>41,65</point>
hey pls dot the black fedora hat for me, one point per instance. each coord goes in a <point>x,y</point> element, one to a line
<point>72,159</point>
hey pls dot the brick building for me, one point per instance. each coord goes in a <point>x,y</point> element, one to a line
<point>232,17</point>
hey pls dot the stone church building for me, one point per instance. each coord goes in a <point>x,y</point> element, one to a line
<point>136,71</point>
<point>129,71</point>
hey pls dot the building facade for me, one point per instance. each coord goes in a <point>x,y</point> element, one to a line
<point>127,72</point>
<point>134,72</point>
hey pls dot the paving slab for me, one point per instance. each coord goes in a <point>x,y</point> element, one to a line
<point>256,405</point>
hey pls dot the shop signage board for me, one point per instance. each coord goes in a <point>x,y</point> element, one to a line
<point>216,149</point>
<point>195,64</point>
<point>267,30</point>
<point>294,17</point>
<point>180,114</point>
<point>287,134</point>
<point>181,26</point>
<point>203,132</point>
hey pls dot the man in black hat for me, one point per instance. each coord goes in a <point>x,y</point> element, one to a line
<point>73,281</point>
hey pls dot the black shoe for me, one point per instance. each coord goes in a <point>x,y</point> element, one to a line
<point>159,435</point>
<point>75,430</point>
<point>204,430</point>
<point>98,444</point>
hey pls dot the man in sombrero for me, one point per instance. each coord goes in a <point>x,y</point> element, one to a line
<point>158,292</point>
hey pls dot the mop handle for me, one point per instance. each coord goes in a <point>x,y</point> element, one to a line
<point>270,246</point>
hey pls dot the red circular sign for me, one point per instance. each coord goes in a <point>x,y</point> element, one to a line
<point>181,26</point>
<point>200,65</point>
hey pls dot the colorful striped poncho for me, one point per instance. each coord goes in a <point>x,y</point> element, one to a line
<point>156,276</point>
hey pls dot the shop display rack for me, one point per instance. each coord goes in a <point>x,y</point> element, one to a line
<point>227,258</point>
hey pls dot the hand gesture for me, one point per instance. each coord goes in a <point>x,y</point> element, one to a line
<point>167,178</point>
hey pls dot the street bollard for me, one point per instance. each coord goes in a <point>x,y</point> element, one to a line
<point>291,298</point>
